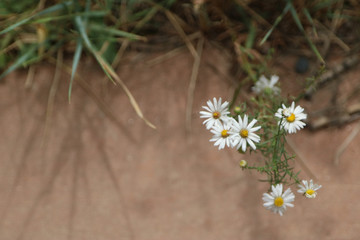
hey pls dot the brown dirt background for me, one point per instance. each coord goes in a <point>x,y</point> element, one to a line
<point>89,177</point>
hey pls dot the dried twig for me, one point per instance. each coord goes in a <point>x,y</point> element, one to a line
<point>348,62</point>
<point>351,113</point>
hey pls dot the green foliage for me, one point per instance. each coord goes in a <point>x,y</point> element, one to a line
<point>109,21</point>
<point>8,6</point>
<point>276,163</point>
<point>34,31</point>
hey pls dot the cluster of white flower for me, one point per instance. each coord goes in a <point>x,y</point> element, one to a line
<point>277,200</point>
<point>227,130</point>
<point>239,132</point>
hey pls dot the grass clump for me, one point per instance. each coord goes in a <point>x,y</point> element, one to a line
<point>34,31</point>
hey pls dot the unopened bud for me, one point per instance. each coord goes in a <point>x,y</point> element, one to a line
<point>237,110</point>
<point>243,163</point>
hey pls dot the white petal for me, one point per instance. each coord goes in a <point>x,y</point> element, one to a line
<point>274,79</point>
<point>243,146</point>
<point>252,123</point>
<point>245,122</point>
<point>252,145</point>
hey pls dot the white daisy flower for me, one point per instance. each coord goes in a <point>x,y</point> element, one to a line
<point>221,135</point>
<point>291,118</point>
<point>308,189</point>
<point>215,112</point>
<point>277,201</point>
<point>264,85</point>
<point>242,133</point>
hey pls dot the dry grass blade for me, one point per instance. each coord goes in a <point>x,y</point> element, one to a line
<point>52,93</point>
<point>118,80</point>
<point>192,85</point>
<point>120,53</point>
<point>332,36</point>
<point>109,70</point>
<point>259,18</point>
<point>101,104</point>
<point>168,55</point>
<point>181,32</point>
<point>146,19</point>
<point>30,77</point>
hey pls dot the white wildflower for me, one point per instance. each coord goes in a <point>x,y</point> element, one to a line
<point>221,135</point>
<point>308,189</point>
<point>277,201</point>
<point>242,133</point>
<point>291,118</point>
<point>264,85</point>
<point>216,112</point>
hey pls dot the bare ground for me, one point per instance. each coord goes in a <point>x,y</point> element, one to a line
<point>81,173</point>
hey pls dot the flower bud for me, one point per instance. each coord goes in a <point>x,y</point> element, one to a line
<point>243,163</point>
<point>237,110</point>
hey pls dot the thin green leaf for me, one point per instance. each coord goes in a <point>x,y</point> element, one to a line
<point>149,15</point>
<point>81,27</point>
<point>70,16</point>
<point>20,61</point>
<point>54,8</point>
<point>77,55</point>
<point>251,36</point>
<point>301,28</point>
<point>15,25</point>
<point>309,18</point>
<point>87,10</point>
<point>323,4</point>
<point>169,3</point>
<point>116,32</point>
<point>109,71</point>
<point>277,21</point>
<point>296,18</point>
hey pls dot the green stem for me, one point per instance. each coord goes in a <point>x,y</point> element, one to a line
<point>275,158</point>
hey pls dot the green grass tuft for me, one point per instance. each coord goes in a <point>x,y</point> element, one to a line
<point>34,31</point>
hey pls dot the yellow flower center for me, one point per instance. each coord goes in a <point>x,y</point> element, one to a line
<point>279,201</point>
<point>310,192</point>
<point>268,90</point>
<point>244,133</point>
<point>216,115</point>
<point>224,133</point>
<point>291,118</point>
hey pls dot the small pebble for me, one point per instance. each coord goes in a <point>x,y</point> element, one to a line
<point>302,65</point>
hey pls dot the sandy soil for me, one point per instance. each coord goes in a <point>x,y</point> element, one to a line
<point>77,173</point>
